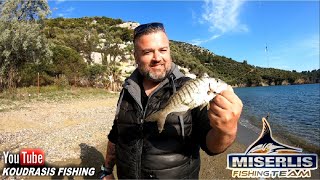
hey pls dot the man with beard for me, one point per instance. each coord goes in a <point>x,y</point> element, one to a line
<point>135,146</point>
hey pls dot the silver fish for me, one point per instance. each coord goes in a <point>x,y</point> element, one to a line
<point>194,93</point>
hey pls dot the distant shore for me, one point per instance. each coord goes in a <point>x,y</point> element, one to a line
<point>266,85</point>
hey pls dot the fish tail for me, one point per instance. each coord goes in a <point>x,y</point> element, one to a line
<point>159,117</point>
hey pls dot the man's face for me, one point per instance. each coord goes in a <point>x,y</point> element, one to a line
<point>152,54</point>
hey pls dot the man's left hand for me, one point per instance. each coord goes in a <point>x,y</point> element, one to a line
<point>224,112</point>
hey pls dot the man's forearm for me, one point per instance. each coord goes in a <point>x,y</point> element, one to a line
<point>218,141</point>
<point>110,155</point>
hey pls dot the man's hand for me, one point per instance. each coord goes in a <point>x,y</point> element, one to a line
<point>224,113</point>
<point>108,177</point>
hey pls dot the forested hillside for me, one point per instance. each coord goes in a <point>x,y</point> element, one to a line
<point>97,51</point>
<point>238,73</point>
<point>197,59</point>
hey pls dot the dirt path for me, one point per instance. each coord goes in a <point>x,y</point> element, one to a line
<point>73,133</point>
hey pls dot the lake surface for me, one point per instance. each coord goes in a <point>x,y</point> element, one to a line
<point>294,112</point>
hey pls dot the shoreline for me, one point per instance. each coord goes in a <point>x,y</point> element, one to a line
<point>73,134</point>
<point>215,167</point>
<point>212,167</point>
<point>250,134</point>
<point>293,119</point>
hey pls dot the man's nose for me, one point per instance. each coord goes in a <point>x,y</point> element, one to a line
<point>157,56</point>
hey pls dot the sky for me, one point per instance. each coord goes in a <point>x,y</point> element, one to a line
<point>275,34</point>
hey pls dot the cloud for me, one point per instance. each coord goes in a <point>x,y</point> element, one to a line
<point>60,1</point>
<point>201,41</point>
<point>66,12</point>
<point>70,9</point>
<point>222,16</point>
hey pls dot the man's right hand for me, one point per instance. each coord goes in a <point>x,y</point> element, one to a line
<point>108,177</point>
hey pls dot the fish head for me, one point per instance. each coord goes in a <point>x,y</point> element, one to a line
<point>216,85</point>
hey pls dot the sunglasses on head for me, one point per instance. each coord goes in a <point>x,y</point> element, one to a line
<point>144,27</point>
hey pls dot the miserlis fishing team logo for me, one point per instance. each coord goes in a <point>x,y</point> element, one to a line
<point>268,158</point>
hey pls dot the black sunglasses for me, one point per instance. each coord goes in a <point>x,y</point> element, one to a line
<point>144,27</point>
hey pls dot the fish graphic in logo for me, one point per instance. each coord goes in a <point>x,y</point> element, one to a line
<point>268,158</point>
<point>265,144</point>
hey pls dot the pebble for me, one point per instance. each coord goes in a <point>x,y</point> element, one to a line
<point>59,128</point>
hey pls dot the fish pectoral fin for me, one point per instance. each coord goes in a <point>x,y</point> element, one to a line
<point>160,124</point>
<point>159,117</point>
<point>152,117</point>
<point>205,105</point>
<point>179,113</point>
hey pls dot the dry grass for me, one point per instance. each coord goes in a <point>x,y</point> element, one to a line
<point>25,95</point>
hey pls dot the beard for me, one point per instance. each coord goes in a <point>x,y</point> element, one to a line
<point>156,75</point>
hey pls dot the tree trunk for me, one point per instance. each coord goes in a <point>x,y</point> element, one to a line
<point>11,82</point>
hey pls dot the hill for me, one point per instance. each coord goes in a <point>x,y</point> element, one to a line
<point>235,73</point>
<point>97,51</point>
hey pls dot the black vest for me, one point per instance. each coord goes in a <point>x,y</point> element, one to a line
<point>144,153</point>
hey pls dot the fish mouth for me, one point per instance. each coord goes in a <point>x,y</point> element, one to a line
<point>212,90</point>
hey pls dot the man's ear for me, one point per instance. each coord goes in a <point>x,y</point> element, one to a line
<point>135,55</point>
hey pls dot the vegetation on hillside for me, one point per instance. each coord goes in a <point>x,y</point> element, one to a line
<point>236,73</point>
<point>60,51</point>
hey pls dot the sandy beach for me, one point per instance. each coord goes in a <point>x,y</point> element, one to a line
<point>73,133</point>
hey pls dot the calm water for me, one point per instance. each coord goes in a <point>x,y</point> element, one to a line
<point>294,112</point>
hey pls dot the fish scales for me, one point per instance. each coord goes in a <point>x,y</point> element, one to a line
<point>186,93</point>
<point>194,93</point>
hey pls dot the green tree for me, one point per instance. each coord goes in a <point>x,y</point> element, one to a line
<point>21,38</point>
<point>68,62</point>
<point>89,44</point>
<point>113,50</point>
<point>24,10</point>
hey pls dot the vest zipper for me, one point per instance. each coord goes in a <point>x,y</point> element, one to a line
<point>142,121</point>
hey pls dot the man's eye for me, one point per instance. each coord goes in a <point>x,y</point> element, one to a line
<point>163,50</point>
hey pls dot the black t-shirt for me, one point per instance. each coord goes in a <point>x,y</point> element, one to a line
<point>144,97</point>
